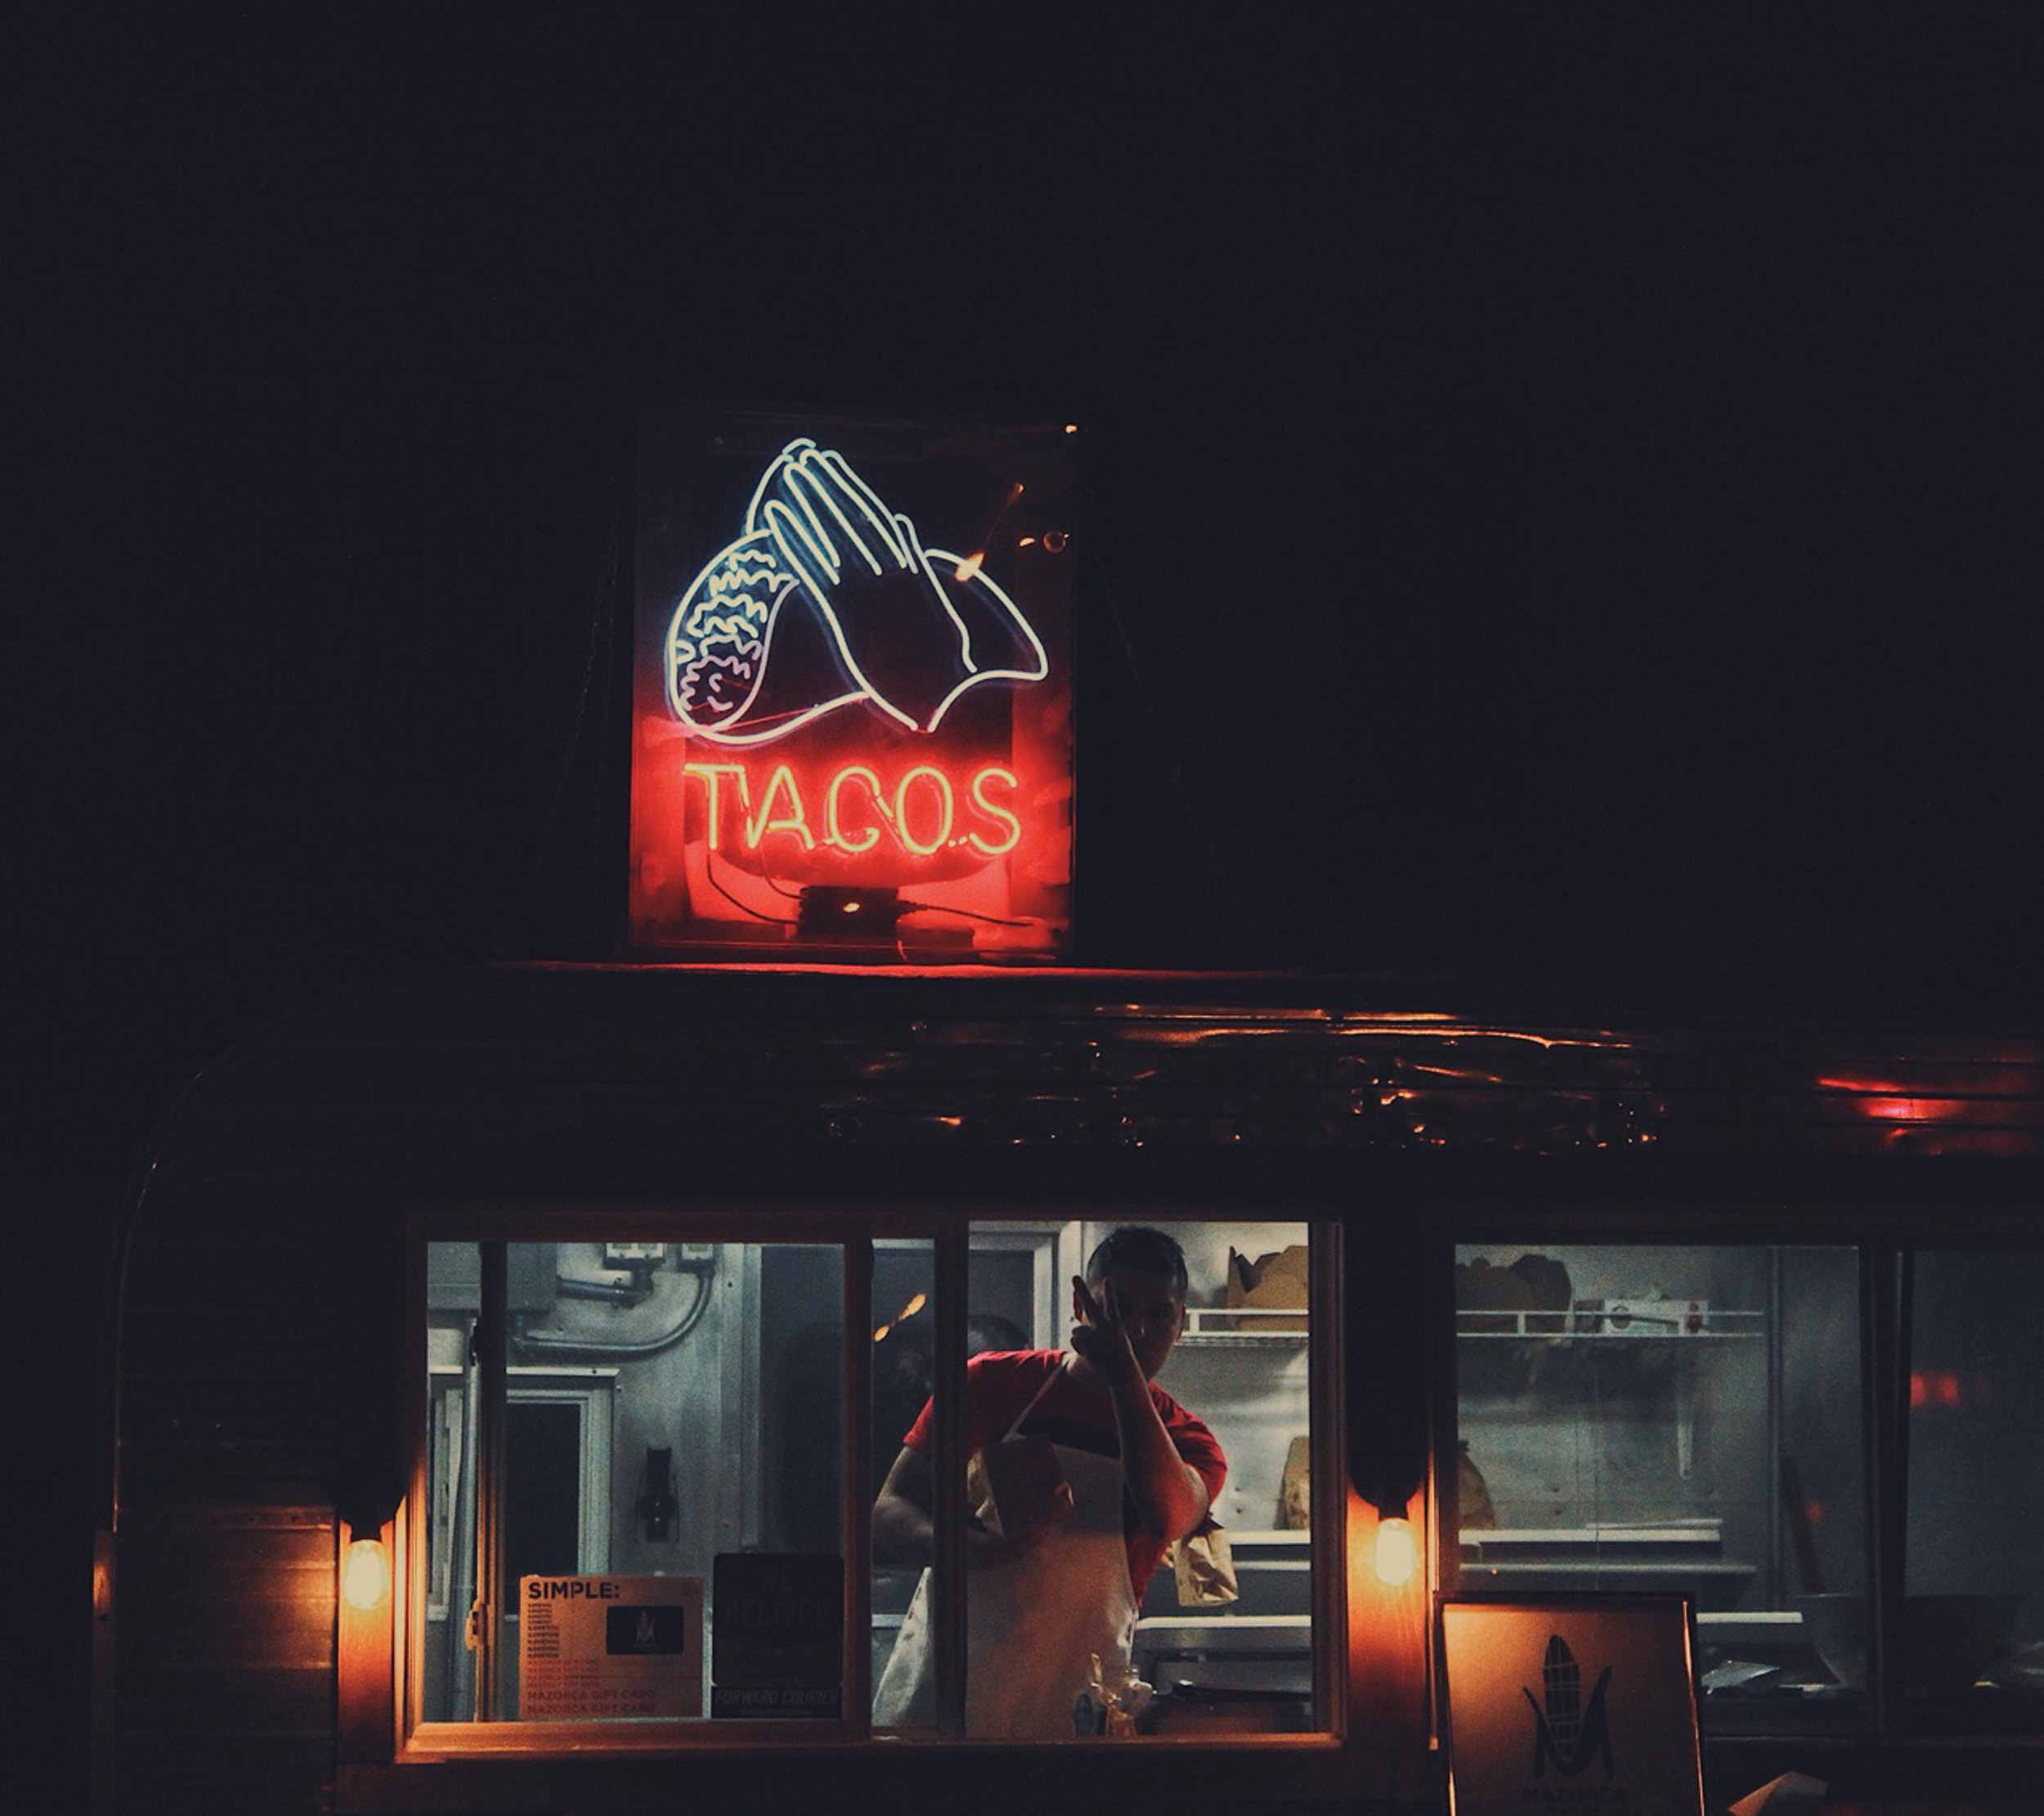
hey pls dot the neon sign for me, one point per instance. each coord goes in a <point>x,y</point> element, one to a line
<point>829,697</point>
<point>911,628</point>
<point>923,812</point>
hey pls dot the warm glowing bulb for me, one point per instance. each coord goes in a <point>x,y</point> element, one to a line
<point>969,567</point>
<point>1397,1552</point>
<point>365,1575</point>
<point>915,1305</point>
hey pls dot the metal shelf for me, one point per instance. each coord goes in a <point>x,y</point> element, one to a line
<point>1637,1323</point>
<point>1240,1327</point>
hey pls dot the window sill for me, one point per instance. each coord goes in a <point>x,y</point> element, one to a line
<point>755,1768</point>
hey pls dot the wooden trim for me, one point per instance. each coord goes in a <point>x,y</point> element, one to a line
<point>1333,1674</point>
<point>948,1565</point>
<point>858,1521</point>
<point>365,1653</point>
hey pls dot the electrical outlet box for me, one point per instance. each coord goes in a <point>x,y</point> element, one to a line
<point>634,1254</point>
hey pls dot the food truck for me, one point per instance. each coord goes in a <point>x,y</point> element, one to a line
<point>502,1361</point>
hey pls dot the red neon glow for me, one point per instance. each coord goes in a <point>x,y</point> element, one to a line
<point>983,783</point>
<point>908,747</point>
<point>1967,1089</point>
<point>1884,1102</point>
<point>1938,1387</point>
<point>780,811</point>
<point>1977,1099</point>
<point>924,814</point>
<point>731,838</point>
<point>837,829</point>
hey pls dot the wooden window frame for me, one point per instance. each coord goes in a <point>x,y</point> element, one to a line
<point>383,1738</point>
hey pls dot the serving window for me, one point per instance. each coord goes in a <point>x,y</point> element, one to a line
<point>1832,1448</point>
<point>1972,1630</point>
<point>610,1418</point>
<point>1225,1639</point>
<point>649,1451</point>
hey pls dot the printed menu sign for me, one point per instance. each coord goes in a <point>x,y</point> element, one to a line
<point>1571,1703</point>
<point>597,1648</point>
<point>779,1651</point>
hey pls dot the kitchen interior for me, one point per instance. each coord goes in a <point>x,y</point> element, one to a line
<point>1690,1420</point>
<point>666,1403</point>
<point>1232,1658</point>
<point>1630,1417</point>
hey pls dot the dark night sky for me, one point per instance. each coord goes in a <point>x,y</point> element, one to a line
<point>1619,440</point>
<point>1622,447</point>
<point>1623,441</point>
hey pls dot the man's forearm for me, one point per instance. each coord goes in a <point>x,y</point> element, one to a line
<point>902,1532</point>
<point>1170,1496</point>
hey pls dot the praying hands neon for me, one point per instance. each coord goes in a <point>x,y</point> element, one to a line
<point>823,561</point>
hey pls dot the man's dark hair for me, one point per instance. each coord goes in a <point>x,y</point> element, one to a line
<point>1138,1245</point>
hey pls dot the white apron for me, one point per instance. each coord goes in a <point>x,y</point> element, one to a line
<point>1031,1626</point>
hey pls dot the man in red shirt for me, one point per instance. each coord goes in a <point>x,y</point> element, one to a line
<point>1142,1471</point>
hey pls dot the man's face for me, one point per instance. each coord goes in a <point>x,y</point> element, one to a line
<point>1152,1309</point>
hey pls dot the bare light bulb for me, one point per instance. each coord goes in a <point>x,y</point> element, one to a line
<point>1397,1551</point>
<point>365,1575</point>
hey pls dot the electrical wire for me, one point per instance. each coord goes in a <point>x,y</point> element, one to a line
<point>709,871</point>
<point>963,914</point>
<point>563,1342</point>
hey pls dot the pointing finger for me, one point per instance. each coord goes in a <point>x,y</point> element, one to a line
<point>812,558</point>
<point>818,492</point>
<point>886,526</point>
<point>1099,1311</point>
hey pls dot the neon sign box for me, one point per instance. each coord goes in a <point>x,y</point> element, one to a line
<point>851,692</point>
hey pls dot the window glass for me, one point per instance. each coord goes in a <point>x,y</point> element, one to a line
<point>1009,1309</point>
<point>1064,1567</point>
<point>653,1422</point>
<point>633,1446</point>
<point>1973,1623</point>
<point>1244,1666</point>
<point>445,1678</point>
<point>905,1372</point>
<point>1675,1419</point>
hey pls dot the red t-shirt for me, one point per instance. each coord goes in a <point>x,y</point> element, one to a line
<point>999,1385</point>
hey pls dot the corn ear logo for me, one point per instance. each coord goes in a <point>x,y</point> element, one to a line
<point>1568,1732</point>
